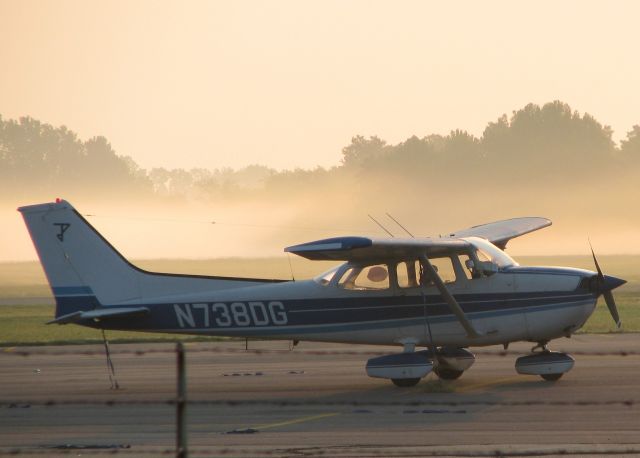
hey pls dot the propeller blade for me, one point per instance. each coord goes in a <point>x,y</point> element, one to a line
<point>611,305</point>
<point>595,261</point>
<point>604,287</point>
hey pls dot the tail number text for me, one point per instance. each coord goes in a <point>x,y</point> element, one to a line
<point>220,314</point>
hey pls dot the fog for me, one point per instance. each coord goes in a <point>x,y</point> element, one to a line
<point>541,161</point>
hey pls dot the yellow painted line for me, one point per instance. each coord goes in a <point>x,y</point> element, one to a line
<point>498,382</point>
<point>9,349</point>
<point>297,420</point>
<point>403,393</point>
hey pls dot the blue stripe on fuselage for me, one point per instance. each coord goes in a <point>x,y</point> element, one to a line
<point>384,311</point>
<point>369,325</point>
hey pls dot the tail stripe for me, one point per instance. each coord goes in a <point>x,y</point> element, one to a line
<point>72,291</point>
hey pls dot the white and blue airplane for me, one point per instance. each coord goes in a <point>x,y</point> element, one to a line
<point>445,294</point>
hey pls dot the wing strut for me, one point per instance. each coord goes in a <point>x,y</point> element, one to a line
<point>449,299</point>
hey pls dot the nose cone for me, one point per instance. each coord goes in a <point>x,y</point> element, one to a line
<point>612,283</point>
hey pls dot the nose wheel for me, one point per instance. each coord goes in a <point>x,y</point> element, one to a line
<point>552,377</point>
<point>550,365</point>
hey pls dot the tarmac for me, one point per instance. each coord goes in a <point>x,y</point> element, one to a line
<point>316,400</point>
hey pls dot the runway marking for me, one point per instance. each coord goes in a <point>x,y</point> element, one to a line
<point>402,393</point>
<point>498,382</point>
<point>296,420</point>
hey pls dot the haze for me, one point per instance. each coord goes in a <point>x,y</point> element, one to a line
<point>289,84</point>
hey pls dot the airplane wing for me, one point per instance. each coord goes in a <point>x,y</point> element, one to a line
<point>500,232</point>
<point>365,248</point>
<point>100,314</point>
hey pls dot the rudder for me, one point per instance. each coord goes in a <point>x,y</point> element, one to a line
<point>83,269</point>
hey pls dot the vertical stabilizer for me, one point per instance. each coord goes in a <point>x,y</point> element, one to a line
<point>82,268</point>
<point>85,271</point>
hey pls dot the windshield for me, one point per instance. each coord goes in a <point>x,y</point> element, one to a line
<point>326,277</point>
<point>490,252</point>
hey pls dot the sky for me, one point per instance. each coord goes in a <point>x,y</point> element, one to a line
<point>288,83</point>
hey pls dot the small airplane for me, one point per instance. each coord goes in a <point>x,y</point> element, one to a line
<point>446,294</point>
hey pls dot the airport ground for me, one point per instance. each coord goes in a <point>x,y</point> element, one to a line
<point>316,401</point>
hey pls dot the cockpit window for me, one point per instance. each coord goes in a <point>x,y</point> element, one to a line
<point>488,252</point>
<point>467,267</point>
<point>444,267</point>
<point>410,274</point>
<point>375,277</point>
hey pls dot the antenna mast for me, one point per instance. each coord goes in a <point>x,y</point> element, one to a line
<point>383,228</point>
<point>403,228</point>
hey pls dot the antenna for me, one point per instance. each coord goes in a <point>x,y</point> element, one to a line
<point>383,228</point>
<point>293,278</point>
<point>403,228</point>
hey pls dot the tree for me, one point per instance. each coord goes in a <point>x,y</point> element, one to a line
<point>630,148</point>
<point>363,152</point>
<point>36,157</point>
<point>548,141</point>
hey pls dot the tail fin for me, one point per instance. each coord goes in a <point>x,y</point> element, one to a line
<point>85,271</point>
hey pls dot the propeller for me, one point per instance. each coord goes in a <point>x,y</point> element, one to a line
<point>603,286</point>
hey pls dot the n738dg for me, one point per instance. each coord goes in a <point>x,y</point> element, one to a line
<point>444,295</point>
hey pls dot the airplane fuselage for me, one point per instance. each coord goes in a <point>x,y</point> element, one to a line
<point>518,303</point>
<point>446,293</point>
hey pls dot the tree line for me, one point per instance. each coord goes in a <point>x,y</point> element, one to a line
<point>536,145</point>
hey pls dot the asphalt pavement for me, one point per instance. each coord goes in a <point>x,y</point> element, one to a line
<point>315,400</point>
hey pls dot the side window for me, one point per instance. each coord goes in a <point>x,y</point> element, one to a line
<point>408,273</point>
<point>444,267</point>
<point>374,277</point>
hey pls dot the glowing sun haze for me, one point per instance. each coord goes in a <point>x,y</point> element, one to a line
<point>288,83</point>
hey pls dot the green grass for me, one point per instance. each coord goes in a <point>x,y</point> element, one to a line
<point>24,283</point>
<point>628,304</point>
<point>25,325</point>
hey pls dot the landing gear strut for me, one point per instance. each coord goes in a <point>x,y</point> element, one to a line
<point>541,346</point>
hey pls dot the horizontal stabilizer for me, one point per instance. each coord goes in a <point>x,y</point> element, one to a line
<point>100,314</point>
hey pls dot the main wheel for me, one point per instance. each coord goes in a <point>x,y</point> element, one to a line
<point>405,382</point>
<point>446,373</point>
<point>552,377</point>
